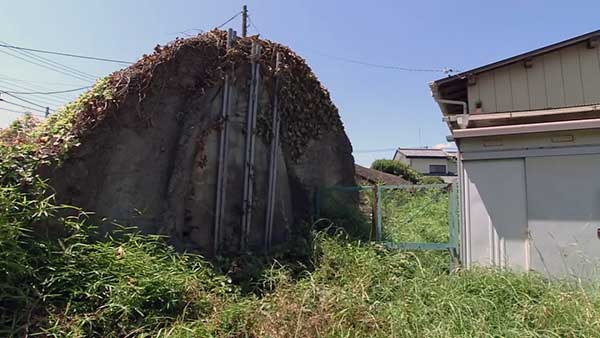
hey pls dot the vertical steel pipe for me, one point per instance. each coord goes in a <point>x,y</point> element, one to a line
<point>222,161</point>
<point>272,188</point>
<point>247,199</point>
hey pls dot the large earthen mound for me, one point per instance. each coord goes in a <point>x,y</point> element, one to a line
<point>147,149</point>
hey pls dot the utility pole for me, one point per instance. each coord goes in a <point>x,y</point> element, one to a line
<point>47,112</point>
<point>244,21</point>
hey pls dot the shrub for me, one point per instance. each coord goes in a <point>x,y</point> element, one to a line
<point>431,180</point>
<point>397,168</point>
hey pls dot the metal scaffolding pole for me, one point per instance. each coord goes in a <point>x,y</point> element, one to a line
<point>276,122</point>
<point>247,199</point>
<point>222,163</point>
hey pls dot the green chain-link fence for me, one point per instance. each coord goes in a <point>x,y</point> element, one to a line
<point>408,217</point>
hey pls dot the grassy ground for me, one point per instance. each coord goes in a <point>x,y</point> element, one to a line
<point>415,216</point>
<point>331,285</point>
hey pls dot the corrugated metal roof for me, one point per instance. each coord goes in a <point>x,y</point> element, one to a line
<point>423,152</point>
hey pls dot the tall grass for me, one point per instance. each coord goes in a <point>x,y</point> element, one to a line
<point>134,285</point>
<point>419,215</point>
<point>328,284</point>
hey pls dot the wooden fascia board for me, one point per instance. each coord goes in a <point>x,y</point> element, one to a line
<point>527,128</point>
<point>531,113</point>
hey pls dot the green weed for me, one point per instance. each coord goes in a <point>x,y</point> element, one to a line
<point>328,284</point>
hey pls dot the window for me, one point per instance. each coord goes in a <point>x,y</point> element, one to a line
<point>437,169</point>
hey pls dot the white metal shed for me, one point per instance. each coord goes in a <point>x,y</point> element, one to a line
<point>528,133</point>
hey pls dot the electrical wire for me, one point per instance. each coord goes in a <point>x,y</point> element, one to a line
<point>253,25</point>
<point>46,103</point>
<point>187,34</point>
<point>376,65</point>
<point>22,106</point>
<point>53,63</point>
<point>27,101</point>
<point>57,66</point>
<point>4,76</point>
<point>44,66</point>
<point>228,21</point>
<point>47,93</point>
<point>51,99</point>
<point>66,54</point>
<point>34,87</point>
<point>364,151</point>
<point>21,112</point>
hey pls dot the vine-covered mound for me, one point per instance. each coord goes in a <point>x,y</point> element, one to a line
<point>141,148</point>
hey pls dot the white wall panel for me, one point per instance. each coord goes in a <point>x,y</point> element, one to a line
<point>487,92</point>
<point>473,97</point>
<point>504,101</point>
<point>590,72</point>
<point>564,214</point>
<point>519,87</point>
<point>536,84</point>
<point>571,70</point>
<point>495,213</point>
<point>555,94</point>
<point>562,78</point>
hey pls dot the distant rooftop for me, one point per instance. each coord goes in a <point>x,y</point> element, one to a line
<point>372,176</point>
<point>426,152</point>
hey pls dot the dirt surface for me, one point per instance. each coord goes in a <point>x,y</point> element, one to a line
<point>148,155</point>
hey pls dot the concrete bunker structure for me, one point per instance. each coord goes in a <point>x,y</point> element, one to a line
<point>218,142</point>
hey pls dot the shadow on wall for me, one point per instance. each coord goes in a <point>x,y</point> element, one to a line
<point>540,213</point>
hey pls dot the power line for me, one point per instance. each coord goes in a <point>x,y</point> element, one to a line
<point>253,25</point>
<point>22,106</point>
<point>32,88</point>
<point>370,64</point>
<point>26,101</point>
<point>376,65</point>
<point>53,63</point>
<point>48,93</point>
<point>44,66</point>
<point>228,21</point>
<point>4,76</point>
<point>65,54</point>
<point>364,151</point>
<point>45,102</point>
<point>12,87</point>
<point>21,112</point>
<point>186,32</point>
<point>57,66</point>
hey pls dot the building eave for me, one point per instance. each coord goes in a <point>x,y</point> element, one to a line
<point>517,58</point>
<point>527,128</point>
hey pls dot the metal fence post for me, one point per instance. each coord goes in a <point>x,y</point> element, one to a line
<point>374,217</point>
<point>379,216</point>
<point>453,225</point>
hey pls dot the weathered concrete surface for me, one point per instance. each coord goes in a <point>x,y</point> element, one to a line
<point>153,162</point>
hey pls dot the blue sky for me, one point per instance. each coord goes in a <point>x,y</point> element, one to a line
<point>381,108</point>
